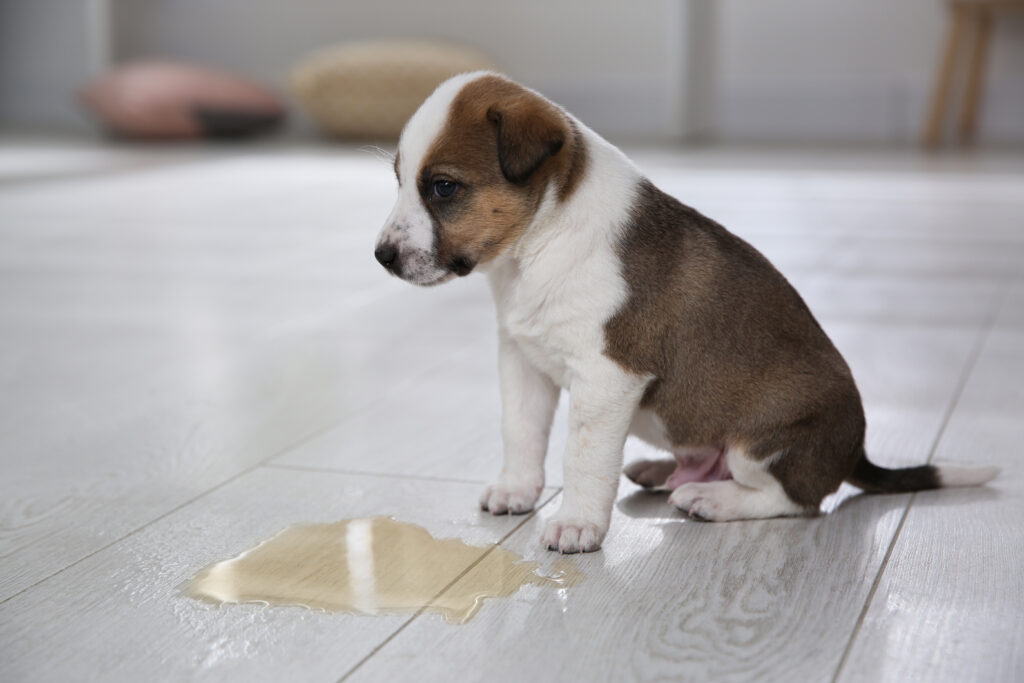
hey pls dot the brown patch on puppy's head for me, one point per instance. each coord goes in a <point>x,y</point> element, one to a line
<point>529,132</point>
<point>485,176</point>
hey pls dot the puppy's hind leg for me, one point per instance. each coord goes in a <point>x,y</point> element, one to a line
<point>651,474</point>
<point>752,493</point>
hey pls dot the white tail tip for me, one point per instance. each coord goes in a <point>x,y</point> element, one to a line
<point>951,475</point>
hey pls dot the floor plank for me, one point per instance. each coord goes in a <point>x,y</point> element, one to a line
<point>949,605</point>
<point>446,425</point>
<point>120,615</point>
<point>164,443</point>
<point>728,601</point>
<point>138,375</point>
<point>171,320</point>
<point>903,299</point>
<point>670,599</point>
<point>26,159</point>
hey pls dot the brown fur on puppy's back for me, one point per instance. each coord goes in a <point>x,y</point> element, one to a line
<point>736,356</point>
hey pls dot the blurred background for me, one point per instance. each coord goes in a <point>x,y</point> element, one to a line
<point>198,348</point>
<point>732,71</point>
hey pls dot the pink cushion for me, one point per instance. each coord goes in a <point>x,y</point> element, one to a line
<point>169,100</point>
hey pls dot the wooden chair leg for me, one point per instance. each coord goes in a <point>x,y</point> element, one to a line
<point>982,23</point>
<point>944,80</point>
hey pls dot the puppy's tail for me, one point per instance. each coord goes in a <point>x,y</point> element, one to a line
<point>874,479</point>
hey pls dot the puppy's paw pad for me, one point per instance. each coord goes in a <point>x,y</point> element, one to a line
<point>572,536</point>
<point>509,499</point>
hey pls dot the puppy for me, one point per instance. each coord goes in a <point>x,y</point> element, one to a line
<point>657,320</point>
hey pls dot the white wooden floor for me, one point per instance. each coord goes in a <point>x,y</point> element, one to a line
<point>197,349</point>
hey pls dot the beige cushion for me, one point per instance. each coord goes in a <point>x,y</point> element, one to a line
<point>171,100</point>
<point>369,90</point>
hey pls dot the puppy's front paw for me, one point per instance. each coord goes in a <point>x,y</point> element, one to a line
<point>573,535</point>
<point>509,497</point>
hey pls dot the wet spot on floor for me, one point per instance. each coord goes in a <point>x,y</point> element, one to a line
<point>374,566</point>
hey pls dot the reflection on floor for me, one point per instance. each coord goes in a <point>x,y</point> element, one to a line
<point>198,350</point>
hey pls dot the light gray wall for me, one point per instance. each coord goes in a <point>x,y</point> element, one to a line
<point>613,63</point>
<point>792,70</point>
<point>47,49</point>
<point>733,70</point>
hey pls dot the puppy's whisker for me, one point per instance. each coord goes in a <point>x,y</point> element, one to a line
<point>379,152</point>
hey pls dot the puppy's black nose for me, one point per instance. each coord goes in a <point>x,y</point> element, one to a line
<point>386,255</point>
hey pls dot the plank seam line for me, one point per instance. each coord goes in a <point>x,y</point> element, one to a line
<point>251,468</point>
<point>266,462</point>
<point>965,374</point>
<point>422,610</point>
<point>361,473</point>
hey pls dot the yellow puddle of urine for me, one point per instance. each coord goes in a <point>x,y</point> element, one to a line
<point>372,566</point>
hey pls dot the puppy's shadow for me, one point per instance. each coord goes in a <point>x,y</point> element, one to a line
<point>653,503</point>
<point>965,498</point>
<point>650,504</point>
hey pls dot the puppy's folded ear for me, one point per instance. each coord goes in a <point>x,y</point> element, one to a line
<point>530,130</point>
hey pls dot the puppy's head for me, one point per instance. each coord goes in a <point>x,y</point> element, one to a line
<point>473,165</point>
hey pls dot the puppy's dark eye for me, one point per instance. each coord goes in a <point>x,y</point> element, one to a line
<point>444,188</point>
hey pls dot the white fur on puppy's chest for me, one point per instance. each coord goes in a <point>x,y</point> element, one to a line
<point>560,329</point>
<point>549,361</point>
<point>558,287</point>
<point>536,325</point>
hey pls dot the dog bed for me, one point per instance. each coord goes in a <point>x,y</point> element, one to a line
<point>369,90</point>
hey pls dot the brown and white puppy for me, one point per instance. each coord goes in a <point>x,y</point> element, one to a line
<point>657,320</point>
